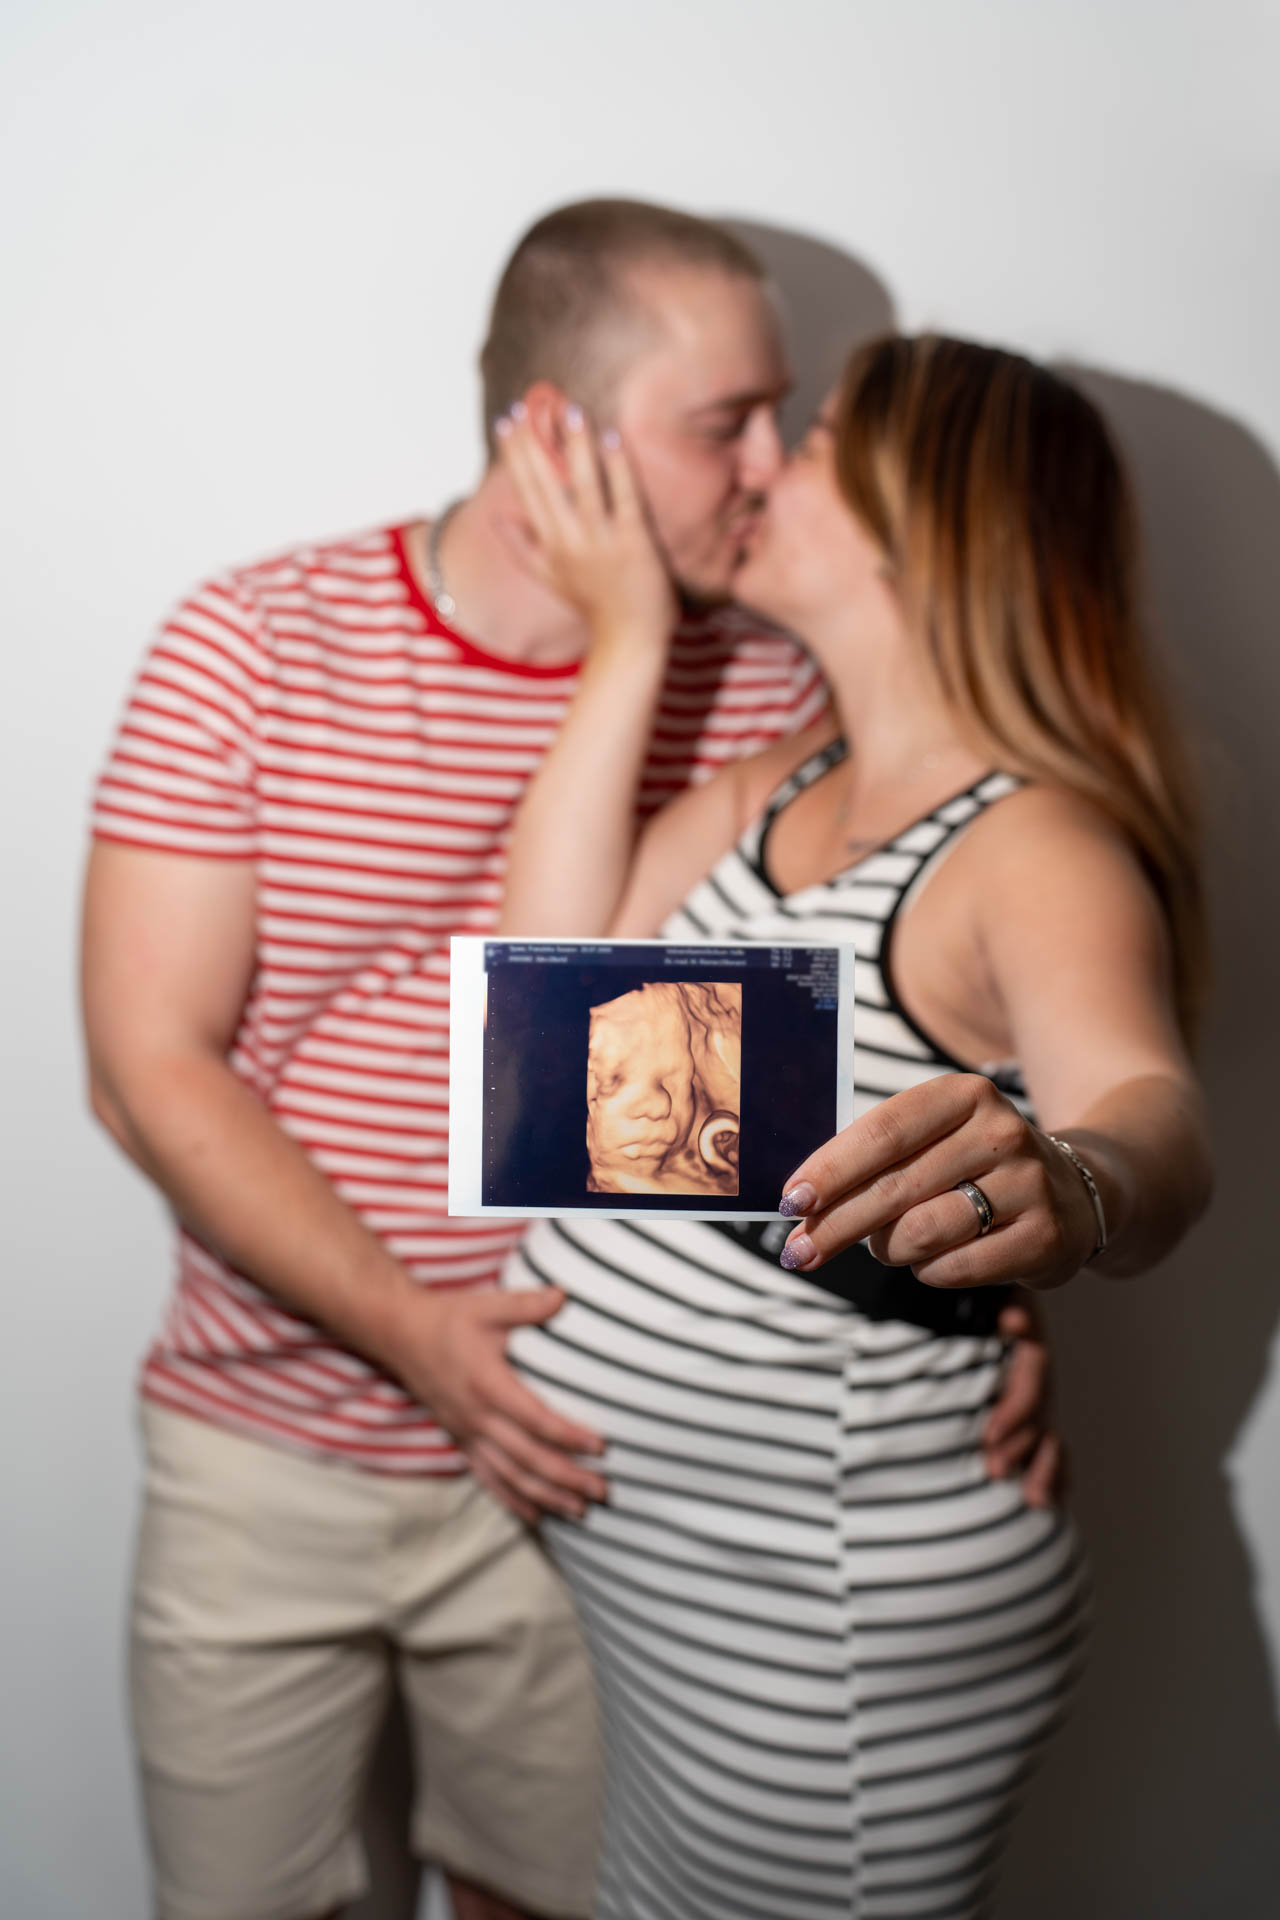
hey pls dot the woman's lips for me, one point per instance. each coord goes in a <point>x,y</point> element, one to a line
<point>752,541</point>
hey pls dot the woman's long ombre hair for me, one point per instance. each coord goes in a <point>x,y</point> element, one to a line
<point>1006,518</point>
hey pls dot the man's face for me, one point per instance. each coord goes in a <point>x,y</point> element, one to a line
<point>697,411</point>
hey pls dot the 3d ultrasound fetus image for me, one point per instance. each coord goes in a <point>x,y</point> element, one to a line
<point>664,1086</point>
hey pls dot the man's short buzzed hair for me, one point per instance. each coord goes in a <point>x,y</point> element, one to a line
<point>563,310</point>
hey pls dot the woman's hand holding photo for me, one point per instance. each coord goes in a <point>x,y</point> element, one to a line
<point>949,1179</point>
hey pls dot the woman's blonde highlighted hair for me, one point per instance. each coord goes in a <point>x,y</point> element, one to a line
<point>1006,517</point>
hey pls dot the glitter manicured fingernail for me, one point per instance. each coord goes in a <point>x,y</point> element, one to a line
<point>573,418</point>
<point>797,1201</point>
<point>797,1253</point>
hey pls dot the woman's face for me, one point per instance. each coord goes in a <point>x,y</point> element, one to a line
<point>809,554</point>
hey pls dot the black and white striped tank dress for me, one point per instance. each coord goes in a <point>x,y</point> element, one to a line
<point>828,1649</point>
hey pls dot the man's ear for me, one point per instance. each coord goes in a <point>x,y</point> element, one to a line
<point>547,405</point>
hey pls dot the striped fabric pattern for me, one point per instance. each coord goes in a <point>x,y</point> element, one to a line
<point>829,1649</point>
<point>860,908</point>
<point>313,715</point>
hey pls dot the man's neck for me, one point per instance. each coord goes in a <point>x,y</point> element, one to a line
<point>501,604</point>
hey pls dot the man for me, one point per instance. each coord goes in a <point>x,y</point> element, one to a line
<point>309,792</point>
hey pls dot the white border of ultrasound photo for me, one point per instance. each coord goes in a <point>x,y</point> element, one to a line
<point>467,989</point>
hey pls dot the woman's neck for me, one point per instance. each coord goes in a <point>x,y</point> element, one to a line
<point>891,711</point>
<point>904,759</point>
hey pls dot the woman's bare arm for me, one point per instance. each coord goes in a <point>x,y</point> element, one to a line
<point>576,866</point>
<point>1077,955</point>
<point>589,541</point>
<point>573,840</point>
<point>1079,951</point>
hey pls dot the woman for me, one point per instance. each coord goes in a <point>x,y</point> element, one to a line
<point>829,1648</point>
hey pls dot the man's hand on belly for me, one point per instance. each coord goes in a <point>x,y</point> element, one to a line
<point>449,1349</point>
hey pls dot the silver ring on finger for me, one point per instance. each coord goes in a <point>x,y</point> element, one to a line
<point>979,1202</point>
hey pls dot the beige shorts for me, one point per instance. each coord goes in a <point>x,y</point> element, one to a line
<point>277,1599</point>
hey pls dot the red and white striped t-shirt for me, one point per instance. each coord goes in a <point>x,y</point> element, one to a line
<point>312,714</point>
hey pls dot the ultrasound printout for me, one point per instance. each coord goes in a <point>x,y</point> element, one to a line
<point>630,1076</point>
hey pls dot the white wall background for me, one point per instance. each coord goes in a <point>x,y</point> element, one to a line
<point>247,253</point>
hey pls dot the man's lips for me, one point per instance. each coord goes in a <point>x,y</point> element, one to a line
<point>746,531</point>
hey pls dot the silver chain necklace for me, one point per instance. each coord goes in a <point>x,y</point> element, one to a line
<point>856,844</point>
<point>441,598</point>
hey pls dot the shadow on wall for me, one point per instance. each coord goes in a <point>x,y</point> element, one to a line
<point>832,303</point>
<point>1158,1802</point>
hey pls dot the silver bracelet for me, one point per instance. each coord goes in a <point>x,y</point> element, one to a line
<point>1091,1188</point>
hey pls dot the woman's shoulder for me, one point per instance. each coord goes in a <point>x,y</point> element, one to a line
<point>1043,842</point>
<point>1035,815</point>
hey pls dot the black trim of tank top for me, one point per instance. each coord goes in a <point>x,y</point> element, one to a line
<point>883,1293</point>
<point>876,1291</point>
<point>1008,1078</point>
<point>805,775</point>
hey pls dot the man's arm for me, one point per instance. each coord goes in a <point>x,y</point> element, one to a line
<point>168,958</point>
